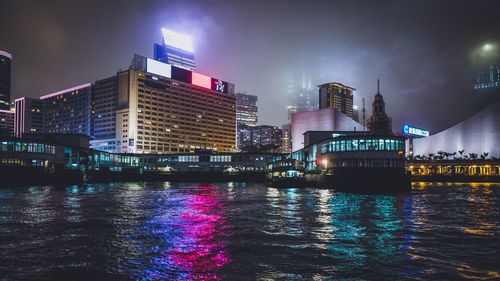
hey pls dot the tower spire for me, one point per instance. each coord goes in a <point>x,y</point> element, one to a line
<point>378,86</point>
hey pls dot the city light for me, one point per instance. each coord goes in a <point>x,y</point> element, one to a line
<point>177,40</point>
<point>409,130</point>
<point>487,47</point>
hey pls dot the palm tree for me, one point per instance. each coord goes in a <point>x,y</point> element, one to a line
<point>473,156</point>
<point>461,152</point>
<point>484,155</point>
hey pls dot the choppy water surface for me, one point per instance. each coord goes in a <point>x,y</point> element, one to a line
<point>235,231</point>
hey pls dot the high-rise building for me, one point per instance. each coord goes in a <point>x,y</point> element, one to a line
<point>5,73</point>
<point>68,111</point>
<point>29,116</point>
<point>338,96</point>
<point>162,108</point>
<point>286,146</point>
<point>246,109</point>
<point>260,136</point>
<point>302,97</point>
<point>379,123</point>
<point>176,49</point>
<point>488,78</point>
<point>103,123</point>
<point>6,122</point>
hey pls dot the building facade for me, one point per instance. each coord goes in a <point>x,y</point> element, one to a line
<point>162,108</point>
<point>338,96</point>
<point>6,122</point>
<point>476,135</point>
<point>29,116</point>
<point>260,137</point>
<point>246,109</point>
<point>286,146</point>
<point>68,111</point>
<point>328,119</point>
<point>5,76</point>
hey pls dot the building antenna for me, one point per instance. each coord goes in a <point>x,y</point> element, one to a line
<point>378,86</point>
<point>364,115</point>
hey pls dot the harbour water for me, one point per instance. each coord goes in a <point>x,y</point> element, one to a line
<point>238,231</point>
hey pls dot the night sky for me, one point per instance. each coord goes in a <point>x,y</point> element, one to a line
<point>424,52</point>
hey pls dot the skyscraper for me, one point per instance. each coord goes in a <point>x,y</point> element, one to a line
<point>5,73</point>
<point>176,49</point>
<point>338,96</point>
<point>302,97</point>
<point>246,109</point>
<point>286,146</point>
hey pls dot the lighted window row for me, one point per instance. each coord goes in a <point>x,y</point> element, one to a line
<point>363,145</point>
<point>15,146</point>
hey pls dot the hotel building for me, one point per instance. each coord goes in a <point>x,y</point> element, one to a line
<point>162,108</point>
<point>68,111</point>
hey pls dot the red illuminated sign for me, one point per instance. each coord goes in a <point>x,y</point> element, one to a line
<point>201,80</point>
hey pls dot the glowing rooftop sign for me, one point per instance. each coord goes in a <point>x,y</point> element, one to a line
<point>412,131</point>
<point>159,68</point>
<point>177,40</point>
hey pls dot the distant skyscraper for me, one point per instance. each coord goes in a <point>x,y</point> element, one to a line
<point>5,73</point>
<point>246,109</point>
<point>177,49</point>
<point>338,96</point>
<point>68,111</point>
<point>263,135</point>
<point>302,97</point>
<point>488,78</point>
<point>29,116</point>
<point>379,123</point>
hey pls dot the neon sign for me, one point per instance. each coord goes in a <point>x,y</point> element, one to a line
<point>412,131</point>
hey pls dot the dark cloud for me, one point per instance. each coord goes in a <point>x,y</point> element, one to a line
<point>424,52</point>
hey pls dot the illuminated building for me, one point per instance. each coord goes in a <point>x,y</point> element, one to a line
<point>328,119</point>
<point>29,116</point>
<point>379,123</point>
<point>477,134</point>
<point>103,123</point>
<point>162,108</point>
<point>5,73</point>
<point>6,122</point>
<point>246,109</point>
<point>177,49</point>
<point>259,136</point>
<point>286,146</point>
<point>488,78</point>
<point>338,96</point>
<point>68,111</point>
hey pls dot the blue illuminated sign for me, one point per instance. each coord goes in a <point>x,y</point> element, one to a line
<point>412,131</point>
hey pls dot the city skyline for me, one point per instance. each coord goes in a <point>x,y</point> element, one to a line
<point>427,62</point>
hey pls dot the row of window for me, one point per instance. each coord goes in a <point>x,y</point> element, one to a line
<point>363,145</point>
<point>8,146</point>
